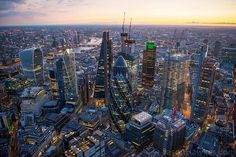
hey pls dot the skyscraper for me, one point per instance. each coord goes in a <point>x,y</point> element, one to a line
<point>103,72</point>
<point>204,92</point>
<point>66,76</point>
<point>140,129</point>
<point>195,70</point>
<point>52,75</point>
<point>149,58</point>
<point>217,49</point>
<point>169,134</point>
<point>32,64</point>
<point>174,78</point>
<point>120,106</point>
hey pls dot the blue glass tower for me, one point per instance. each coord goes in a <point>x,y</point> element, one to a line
<point>32,64</point>
<point>66,76</point>
<point>120,106</point>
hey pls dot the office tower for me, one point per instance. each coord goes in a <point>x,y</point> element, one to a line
<point>205,87</point>
<point>76,38</point>
<point>175,78</point>
<point>149,58</point>
<point>169,134</point>
<point>66,76</point>
<point>32,64</point>
<point>120,92</point>
<point>51,68</point>
<point>195,71</point>
<point>84,90</point>
<point>139,131</point>
<point>103,72</point>
<point>217,49</point>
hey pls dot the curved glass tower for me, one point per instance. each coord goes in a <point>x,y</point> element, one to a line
<point>32,64</point>
<point>66,76</point>
<point>120,92</point>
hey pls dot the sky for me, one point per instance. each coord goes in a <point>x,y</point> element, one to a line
<point>146,12</point>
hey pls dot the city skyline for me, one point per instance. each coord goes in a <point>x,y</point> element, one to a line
<point>151,12</point>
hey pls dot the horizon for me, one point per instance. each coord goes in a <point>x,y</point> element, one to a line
<point>104,12</point>
<point>119,25</point>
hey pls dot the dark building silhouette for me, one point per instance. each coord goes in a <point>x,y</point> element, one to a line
<point>103,72</point>
<point>217,49</point>
<point>205,88</point>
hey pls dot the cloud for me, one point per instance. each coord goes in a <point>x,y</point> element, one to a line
<point>9,4</point>
<point>25,14</point>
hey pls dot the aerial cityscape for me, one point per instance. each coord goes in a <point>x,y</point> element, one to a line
<point>107,79</point>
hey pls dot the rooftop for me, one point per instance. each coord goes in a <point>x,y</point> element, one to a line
<point>142,118</point>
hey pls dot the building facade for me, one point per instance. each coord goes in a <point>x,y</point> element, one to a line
<point>169,135</point>
<point>175,78</point>
<point>149,58</point>
<point>32,64</point>
<point>120,106</point>
<point>205,88</point>
<point>103,72</point>
<point>139,131</point>
<point>66,76</point>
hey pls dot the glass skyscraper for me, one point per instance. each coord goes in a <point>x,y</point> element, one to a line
<point>103,72</point>
<point>195,71</point>
<point>175,78</point>
<point>120,106</point>
<point>149,58</point>
<point>32,64</point>
<point>205,88</point>
<point>66,76</point>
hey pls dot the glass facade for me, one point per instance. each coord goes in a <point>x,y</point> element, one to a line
<point>66,76</point>
<point>205,87</point>
<point>103,72</point>
<point>32,64</point>
<point>149,58</point>
<point>120,92</point>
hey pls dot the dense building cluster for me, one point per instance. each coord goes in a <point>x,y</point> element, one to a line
<point>151,91</point>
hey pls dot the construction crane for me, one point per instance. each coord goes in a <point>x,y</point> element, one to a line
<point>130,28</point>
<point>123,24</point>
<point>129,40</point>
<point>123,34</point>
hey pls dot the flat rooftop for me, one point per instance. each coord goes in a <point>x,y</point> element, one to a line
<point>142,117</point>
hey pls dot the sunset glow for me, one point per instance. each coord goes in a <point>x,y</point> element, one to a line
<point>171,12</point>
